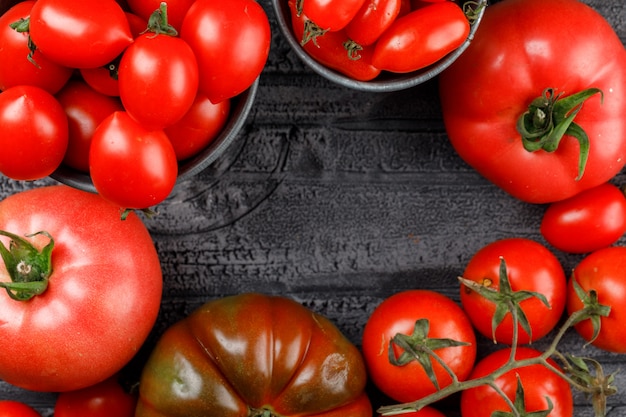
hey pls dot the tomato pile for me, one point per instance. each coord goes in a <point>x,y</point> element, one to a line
<point>363,38</point>
<point>122,91</point>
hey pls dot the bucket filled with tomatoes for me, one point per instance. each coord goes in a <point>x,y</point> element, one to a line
<point>129,97</point>
<point>378,45</point>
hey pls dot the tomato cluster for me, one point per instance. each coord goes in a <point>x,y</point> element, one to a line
<point>363,38</point>
<point>122,91</point>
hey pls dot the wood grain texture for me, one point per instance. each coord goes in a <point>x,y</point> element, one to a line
<point>336,198</point>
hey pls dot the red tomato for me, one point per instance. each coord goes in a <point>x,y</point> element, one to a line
<point>130,165</point>
<point>253,355</point>
<point>158,80</point>
<point>398,315</point>
<point>329,50</point>
<point>176,10</point>
<point>85,109</point>
<point>34,133</point>
<point>425,412</point>
<point>66,32</point>
<point>14,49</point>
<point>101,299</point>
<point>539,384</point>
<point>197,129</point>
<point>510,66</point>
<point>530,266</point>
<point>588,221</point>
<point>16,409</point>
<point>374,17</point>
<point>236,34</point>
<point>332,15</point>
<point>603,271</point>
<point>421,38</point>
<point>104,399</point>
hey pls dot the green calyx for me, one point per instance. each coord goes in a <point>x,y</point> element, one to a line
<point>28,267</point>
<point>158,23</point>
<point>550,117</point>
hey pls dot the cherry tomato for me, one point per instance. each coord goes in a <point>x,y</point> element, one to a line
<point>66,32</point>
<point>539,384</point>
<point>421,38</point>
<point>530,266</point>
<point>329,50</point>
<point>196,130</point>
<point>588,221</point>
<point>603,271</point>
<point>398,314</point>
<point>14,49</point>
<point>130,165</point>
<point>34,133</point>
<point>236,34</point>
<point>10,408</point>
<point>374,17</point>
<point>85,109</point>
<point>104,399</point>
<point>331,15</point>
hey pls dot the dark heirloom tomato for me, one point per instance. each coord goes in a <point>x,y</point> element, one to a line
<point>521,49</point>
<point>253,355</point>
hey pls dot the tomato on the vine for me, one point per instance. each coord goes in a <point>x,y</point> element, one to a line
<point>9,408</point>
<point>541,387</point>
<point>104,399</point>
<point>231,42</point>
<point>588,221</point>
<point>604,272</point>
<point>421,37</point>
<point>417,314</point>
<point>83,288</point>
<point>130,165</point>
<point>495,95</point>
<point>34,133</point>
<point>529,266</point>
<point>66,32</point>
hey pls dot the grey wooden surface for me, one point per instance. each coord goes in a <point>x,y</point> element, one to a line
<point>337,199</point>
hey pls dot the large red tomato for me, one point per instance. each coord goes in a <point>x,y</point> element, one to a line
<point>398,315</point>
<point>96,290</point>
<point>530,266</point>
<point>253,355</point>
<point>524,56</point>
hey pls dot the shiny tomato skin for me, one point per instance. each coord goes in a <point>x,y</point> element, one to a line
<point>237,35</point>
<point>104,399</point>
<point>398,314</point>
<point>158,80</point>
<point>105,271</point>
<point>481,116</point>
<point>92,22</point>
<point>10,408</point>
<point>253,352</point>
<point>34,133</point>
<point>332,15</point>
<point>14,49</point>
<point>374,17</point>
<point>176,10</point>
<point>85,109</point>
<point>605,272</point>
<point>538,381</point>
<point>421,38</point>
<point>530,266</point>
<point>130,165</point>
<point>590,220</point>
<point>199,126</point>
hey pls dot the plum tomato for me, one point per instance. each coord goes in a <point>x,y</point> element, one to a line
<point>331,15</point>
<point>412,315</point>
<point>590,220</point>
<point>374,17</point>
<point>529,266</point>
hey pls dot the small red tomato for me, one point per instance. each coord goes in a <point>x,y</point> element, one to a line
<point>34,133</point>
<point>374,17</point>
<point>104,399</point>
<point>85,109</point>
<point>421,38</point>
<point>10,408</point>
<point>131,166</point>
<point>332,15</point>
<point>176,10</point>
<point>603,271</point>
<point>199,127</point>
<point>590,220</point>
